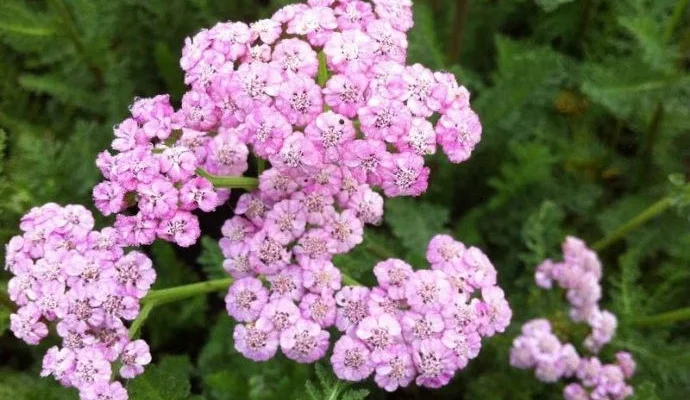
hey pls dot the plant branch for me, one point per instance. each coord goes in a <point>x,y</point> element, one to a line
<point>649,213</point>
<point>676,17</point>
<point>681,314</point>
<point>230,182</point>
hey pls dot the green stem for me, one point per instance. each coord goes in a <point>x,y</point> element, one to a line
<point>160,297</point>
<point>682,314</point>
<point>678,13</point>
<point>649,213</point>
<point>141,318</point>
<point>322,76</point>
<point>379,251</point>
<point>462,10</point>
<point>230,182</point>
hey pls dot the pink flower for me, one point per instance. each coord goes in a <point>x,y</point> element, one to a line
<point>230,38</point>
<point>494,311</point>
<point>379,332</point>
<point>257,341</point>
<point>299,100</point>
<point>286,221</point>
<point>245,299</point>
<point>458,131</point>
<point>366,159</point>
<point>368,205</point>
<point>351,359</point>
<point>198,193</point>
<point>134,357</point>
<point>227,154</point>
<point>417,326</point>
<point>420,138</point>
<point>254,85</point>
<point>266,129</point>
<point>352,306</point>
<point>466,345</point>
<point>109,197</point>
<point>354,15</point>
<point>419,84</point>
<point>182,228</point>
<point>395,368</point>
<point>295,56</point>
<point>267,255</point>
<point>318,308</point>
<point>91,368</point>
<point>384,119</point>
<point>346,231</point>
<point>392,275</point>
<point>158,199</point>
<point>304,342</point>
<point>406,176</point>
<point>26,325</point>
<point>330,132</point>
<point>322,278</point>
<point>397,12</point>
<point>281,312</point>
<point>58,362</point>
<point>134,273</point>
<point>345,93</point>
<point>390,43</point>
<point>428,290</point>
<point>267,30</point>
<point>316,23</point>
<point>287,283</point>
<point>349,51</point>
<point>435,363</point>
<point>104,391</point>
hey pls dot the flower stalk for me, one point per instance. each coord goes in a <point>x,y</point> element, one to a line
<point>650,212</point>
<point>669,317</point>
<point>230,182</point>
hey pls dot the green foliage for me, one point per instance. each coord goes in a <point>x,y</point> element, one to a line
<point>415,223</point>
<point>211,258</point>
<point>24,386</point>
<point>226,375</point>
<point>166,380</point>
<point>584,106</point>
<point>328,387</point>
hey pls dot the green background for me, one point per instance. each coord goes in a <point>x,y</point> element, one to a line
<point>585,106</point>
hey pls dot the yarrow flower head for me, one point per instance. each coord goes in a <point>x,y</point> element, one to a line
<point>540,349</point>
<point>82,281</point>
<point>320,91</point>
<point>400,331</point>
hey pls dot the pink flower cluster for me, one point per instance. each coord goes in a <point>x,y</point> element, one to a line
<point>323,88</point>
<point>580,275</point>
<point>323,93</point>
<point>539,348</point>
<point>423,325</point>
<point>155,169</point>
<point>81,281</point>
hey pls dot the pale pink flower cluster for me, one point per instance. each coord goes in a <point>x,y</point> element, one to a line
<point>323,93</point>
<point>580,275</point>
<point>423,325</point>
<point>538,347</point>
<point>82,282</point>
<point>154,169</point>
